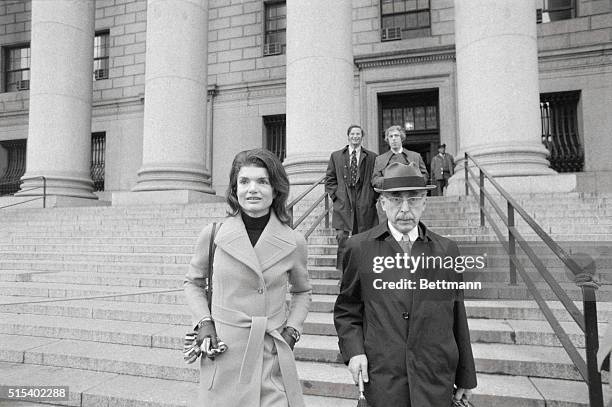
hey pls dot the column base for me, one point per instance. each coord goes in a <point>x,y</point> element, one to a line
<point>52,201</point>
<point>180,197</point>
<point>59,185</point>
<point>172,178</point>
<point>528,184</point>
<point>306,169</point>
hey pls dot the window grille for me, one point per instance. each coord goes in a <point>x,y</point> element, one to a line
<point>275,41</point>
<point>403,19</point>
<point>101,55</point>
<point>276,135</point>
<point>10,180</point>
<point>98,148</point>
<point>555,10</point>
<point>559,114</point>
<point>17,68</point>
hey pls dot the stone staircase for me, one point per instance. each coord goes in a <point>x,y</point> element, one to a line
<point>126,350</point>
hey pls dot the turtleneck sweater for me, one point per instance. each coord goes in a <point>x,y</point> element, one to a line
<point>255,226</point>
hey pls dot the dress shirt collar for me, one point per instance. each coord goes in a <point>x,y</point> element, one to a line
<point>399,152</point>
<point>397,235</point>
<point>358,150</point>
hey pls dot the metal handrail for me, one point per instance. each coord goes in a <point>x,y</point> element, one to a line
<point>303,194</point>
<point>44,188</point>
<point>324,215</point>
<point>587,321</point>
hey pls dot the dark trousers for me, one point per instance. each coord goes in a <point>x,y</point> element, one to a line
<point>441,183</point>
<point>343,235</point>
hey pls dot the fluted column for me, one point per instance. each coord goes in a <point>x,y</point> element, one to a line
<point>319,84</point>
<point>59,134</point>
<point>497,87</point>
<point>174,155</point>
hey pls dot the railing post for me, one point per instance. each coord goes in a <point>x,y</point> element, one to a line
<point>592,344</point>
<point>511,244</point>
<point>482,199</point>
<point>44,192</point>
<point>465,168</point>
<point>326,211</point>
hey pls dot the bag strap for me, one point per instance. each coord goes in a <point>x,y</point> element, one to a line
<point>211,258</point>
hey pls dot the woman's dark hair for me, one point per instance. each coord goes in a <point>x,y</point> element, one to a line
<point>279,181</point>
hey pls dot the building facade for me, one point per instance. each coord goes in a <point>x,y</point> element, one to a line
<point>115,96</point>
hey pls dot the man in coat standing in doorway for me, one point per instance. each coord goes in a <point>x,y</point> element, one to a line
<point>348,184</point>
<point>410,343</point>
<point>442,168</point>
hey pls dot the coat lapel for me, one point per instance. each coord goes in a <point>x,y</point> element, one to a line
<point>275,243</point>
<point>233,239</point>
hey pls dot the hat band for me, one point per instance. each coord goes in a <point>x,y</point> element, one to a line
<point>403,182</point>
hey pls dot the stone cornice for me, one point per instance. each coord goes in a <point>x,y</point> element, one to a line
<point>576,57</point>
<point>406,57</point>
<point>251,90</point>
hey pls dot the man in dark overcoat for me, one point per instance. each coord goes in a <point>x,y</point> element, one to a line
<point>348,184</point>
<point>442,168</point>
<point>410,344</point>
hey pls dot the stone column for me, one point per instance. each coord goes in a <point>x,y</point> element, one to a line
<point>497,87</point>
<point>319,84</point>
<point>174,155</point>
<point>61,81</point>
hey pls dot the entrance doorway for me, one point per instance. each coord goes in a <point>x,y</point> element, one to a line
<point>417,113</point>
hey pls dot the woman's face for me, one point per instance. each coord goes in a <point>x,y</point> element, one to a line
<point>254,191</point>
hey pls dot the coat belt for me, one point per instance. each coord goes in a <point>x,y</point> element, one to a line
<point>260,326</point>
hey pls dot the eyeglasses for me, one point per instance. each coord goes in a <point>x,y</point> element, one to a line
<point>411,201</point>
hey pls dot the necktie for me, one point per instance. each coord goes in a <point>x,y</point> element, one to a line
<point>353,180</point>
<point>405,244</point>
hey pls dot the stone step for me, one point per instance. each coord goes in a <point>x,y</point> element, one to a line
<point>319,286</point>
<point>89,389</point>
<point>563,240</point>
<point>322,379</point>
<point>185,249</point>
<point>520,292</point>
<point>100,328</point>
<point>156,258</point>
<point>26,266</point>
<point>53,239</point>
<point>61,290</point>
<point>317,378</point>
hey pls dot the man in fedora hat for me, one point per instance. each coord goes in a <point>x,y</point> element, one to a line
<point>442,168</point>
<point>410,343</point>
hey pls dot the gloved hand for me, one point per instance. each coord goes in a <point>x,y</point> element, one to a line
<point>288,337</point>
<point>207,339</point>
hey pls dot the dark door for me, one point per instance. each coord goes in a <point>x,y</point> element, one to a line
<point>417,114</point>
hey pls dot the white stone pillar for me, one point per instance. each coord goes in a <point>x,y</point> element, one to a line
<point>61,69</point>
<point>497,87</point>
<point>319,84</point>
<point>174,155</point>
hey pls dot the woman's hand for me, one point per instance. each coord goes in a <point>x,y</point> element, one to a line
<point>208,340</point>
<point>290,335</point>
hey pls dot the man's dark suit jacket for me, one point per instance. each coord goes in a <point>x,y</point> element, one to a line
<point>336,185</point>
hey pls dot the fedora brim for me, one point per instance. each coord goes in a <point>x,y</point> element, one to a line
<point>399,189</point>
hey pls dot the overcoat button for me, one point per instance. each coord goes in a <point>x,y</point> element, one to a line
<point>405,315</point>
<point>260,290</point>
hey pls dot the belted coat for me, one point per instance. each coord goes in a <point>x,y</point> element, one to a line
<point>416,340</point>
<point>336,181</point>
<point>249,309</point>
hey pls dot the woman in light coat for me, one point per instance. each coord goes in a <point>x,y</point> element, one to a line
<point>257,253</point>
